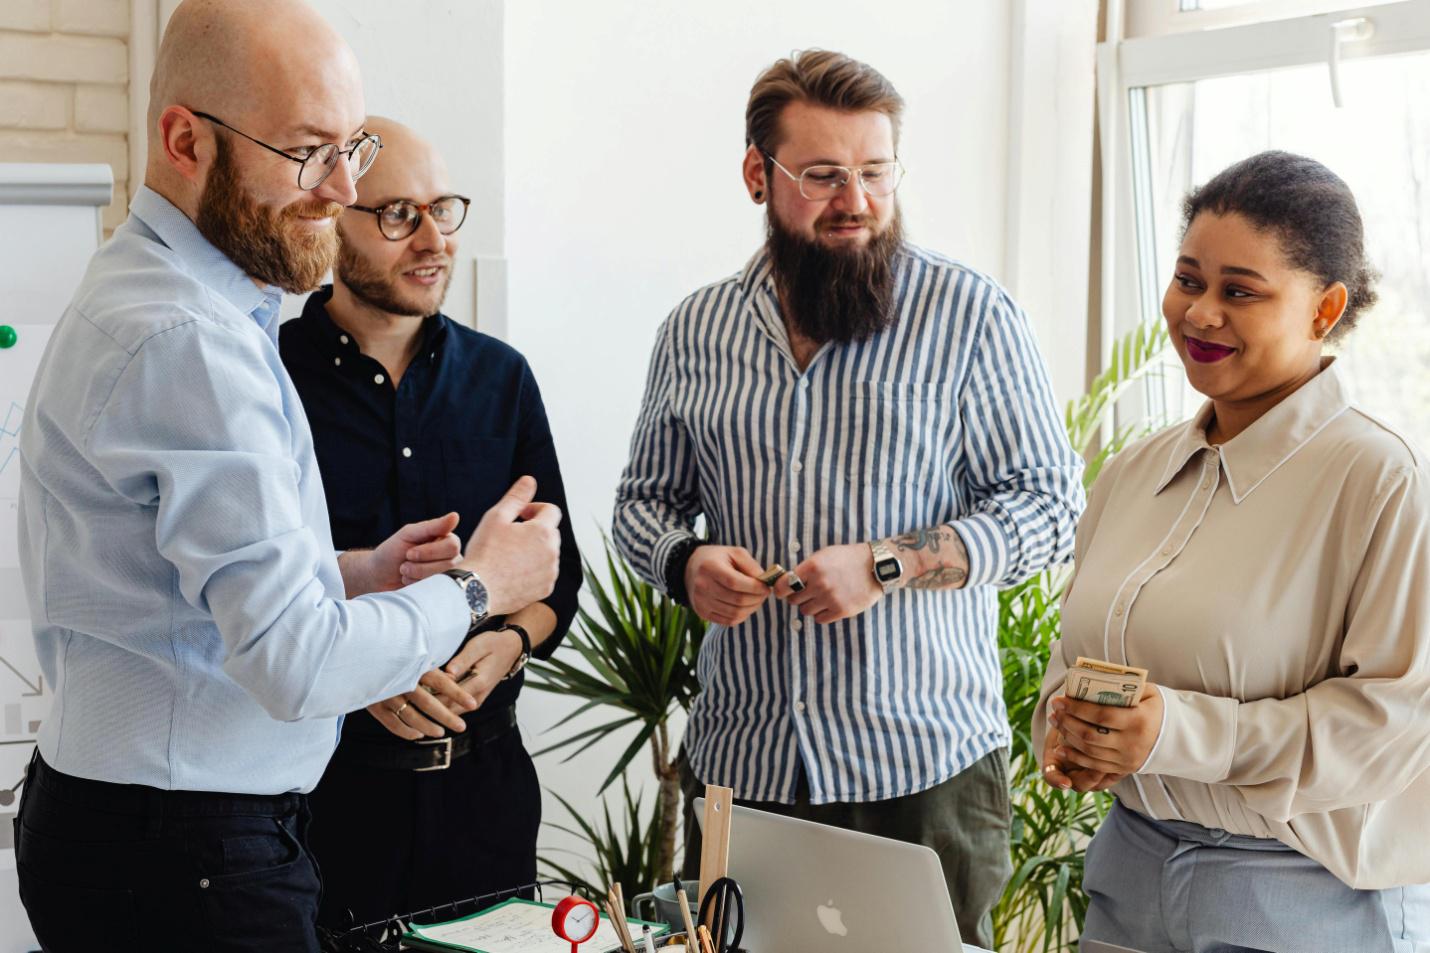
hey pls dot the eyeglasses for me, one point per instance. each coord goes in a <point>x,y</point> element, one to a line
<point>397,220</point>
<point>819,182</point>
<point>317,162</point>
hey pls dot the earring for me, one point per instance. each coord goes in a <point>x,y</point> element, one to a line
<point>1320,329</point>
<point>759,195</point>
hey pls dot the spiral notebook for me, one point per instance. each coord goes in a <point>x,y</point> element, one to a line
<point>515,926</point>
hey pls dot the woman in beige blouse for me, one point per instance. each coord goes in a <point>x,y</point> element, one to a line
<point>1268,563</point>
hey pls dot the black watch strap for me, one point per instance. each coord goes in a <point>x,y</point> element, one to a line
<point>525,655</point>
<point>675,565</point>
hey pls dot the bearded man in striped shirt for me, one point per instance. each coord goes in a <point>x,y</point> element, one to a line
<point>878,417</point>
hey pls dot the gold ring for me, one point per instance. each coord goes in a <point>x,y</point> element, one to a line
<point>398,711</point>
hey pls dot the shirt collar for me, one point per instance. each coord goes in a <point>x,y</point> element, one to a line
<point>209,265</point>
<point>1277,436</point>
<point>334,341</point>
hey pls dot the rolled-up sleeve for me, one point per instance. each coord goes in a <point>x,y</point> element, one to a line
<point>223,484</point>
<point>1024,477</point>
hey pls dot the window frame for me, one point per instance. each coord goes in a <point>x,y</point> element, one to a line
<point>1128,65</point>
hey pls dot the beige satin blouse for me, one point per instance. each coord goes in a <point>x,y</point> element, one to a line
<point>1278,588</point>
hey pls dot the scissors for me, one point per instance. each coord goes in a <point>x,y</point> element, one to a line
<point>726,901</point>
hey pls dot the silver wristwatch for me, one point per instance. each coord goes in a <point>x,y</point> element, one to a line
<point>887,568</point>
<point>478,599</point>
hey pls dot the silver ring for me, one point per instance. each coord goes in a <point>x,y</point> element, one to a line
<point>796,584</point>
<point>397,712</point>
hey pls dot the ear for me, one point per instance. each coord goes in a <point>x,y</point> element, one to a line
<point>188,148</point>
<point>753,169</point>
<point>1329,309</point>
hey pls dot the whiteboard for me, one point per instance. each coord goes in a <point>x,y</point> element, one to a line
<point>49,229</point>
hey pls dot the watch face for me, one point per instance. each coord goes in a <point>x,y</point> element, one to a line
<point>887,570</point>
<point>477,597</point>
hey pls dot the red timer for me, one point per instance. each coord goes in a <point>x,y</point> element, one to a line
<point>575,920</point>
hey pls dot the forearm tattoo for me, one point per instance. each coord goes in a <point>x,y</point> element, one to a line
<point>939,561</point>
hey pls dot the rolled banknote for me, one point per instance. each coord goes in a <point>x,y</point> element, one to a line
<point>1105,683</point>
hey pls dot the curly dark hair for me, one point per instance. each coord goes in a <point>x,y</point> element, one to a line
<point>1309,209</point>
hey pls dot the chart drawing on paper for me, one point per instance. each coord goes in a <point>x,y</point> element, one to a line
<point>24,692</point>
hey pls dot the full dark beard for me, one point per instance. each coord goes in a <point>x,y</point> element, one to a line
<point>835,294</point>
<point>378,289</point>
<point>265,242</point>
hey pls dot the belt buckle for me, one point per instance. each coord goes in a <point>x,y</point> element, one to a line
<point>446,744</point>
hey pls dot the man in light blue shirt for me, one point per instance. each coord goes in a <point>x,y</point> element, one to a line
<point>202,637</point>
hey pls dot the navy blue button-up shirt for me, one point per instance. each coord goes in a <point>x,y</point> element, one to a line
<point>464,422</point>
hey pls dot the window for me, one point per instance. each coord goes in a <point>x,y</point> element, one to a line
<point>1209,99</point>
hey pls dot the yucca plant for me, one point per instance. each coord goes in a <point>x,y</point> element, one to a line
<point>1043,906</point>
<point>625,855</point>
<point>640,648</point>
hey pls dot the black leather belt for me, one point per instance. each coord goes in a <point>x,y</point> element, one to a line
<point>429,754</point>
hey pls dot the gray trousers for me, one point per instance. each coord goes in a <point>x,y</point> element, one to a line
<point>965,820</point>
<point>1175,887</point>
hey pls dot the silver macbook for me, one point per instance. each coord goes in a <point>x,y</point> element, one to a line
<point>811,888</point>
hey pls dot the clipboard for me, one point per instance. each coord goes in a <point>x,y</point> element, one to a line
<point>513,926</point>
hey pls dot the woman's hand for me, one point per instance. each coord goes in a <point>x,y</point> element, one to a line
<point>1103,739</point>
<point>1069,777</point>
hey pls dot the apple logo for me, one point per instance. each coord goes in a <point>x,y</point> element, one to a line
<point>831,919</point>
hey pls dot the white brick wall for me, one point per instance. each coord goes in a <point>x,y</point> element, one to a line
<point>64,95</point>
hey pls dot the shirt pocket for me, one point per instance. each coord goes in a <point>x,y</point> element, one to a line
<point>896,434</point>
<point>473,475</point>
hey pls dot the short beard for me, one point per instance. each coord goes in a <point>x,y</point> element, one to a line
<point>262,241</point>
<point>835,294</point>
<point>379,290</point>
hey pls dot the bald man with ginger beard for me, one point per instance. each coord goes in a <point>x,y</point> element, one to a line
<point>202,634</point>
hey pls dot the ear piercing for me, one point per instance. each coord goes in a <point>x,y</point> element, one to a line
<point>759,195</point>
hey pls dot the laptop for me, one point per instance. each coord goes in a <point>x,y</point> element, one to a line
<point>1097,946</point>
<point>812,888</point>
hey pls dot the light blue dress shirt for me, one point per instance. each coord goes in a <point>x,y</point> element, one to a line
<point>174,542</point>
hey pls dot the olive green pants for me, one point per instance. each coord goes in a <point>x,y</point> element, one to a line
<point>965,820</point>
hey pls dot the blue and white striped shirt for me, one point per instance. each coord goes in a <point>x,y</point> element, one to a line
<point>947,417</point>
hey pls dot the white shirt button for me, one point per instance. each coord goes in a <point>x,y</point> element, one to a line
<point>378,379</point>
<point>343,338</point>
<point>799,707</point>
<point>796,466</point>
<point>1167,551</point>
<point>407,451</point>
<point>804,383</point>
<point>796,625</point>
<point>1117,611</point>
<point>337,362</point>
<point>794,546</point>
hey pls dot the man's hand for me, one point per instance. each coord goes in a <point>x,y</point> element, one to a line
<point>838,583</point>
<point>517,561</point>
<point>484,661</point>
<point>722,585</point>
<point>414,552</point>
<point>1105,738</point>
<point>428,710</point>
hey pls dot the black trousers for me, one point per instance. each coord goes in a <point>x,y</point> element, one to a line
<point>966,820</point>
<point>395,841</point>
<point>123,867</point>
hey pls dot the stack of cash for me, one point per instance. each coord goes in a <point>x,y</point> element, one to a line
<point>1105,683</point>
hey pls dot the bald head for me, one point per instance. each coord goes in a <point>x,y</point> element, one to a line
<point>410,166</point>
<point>271,68</point>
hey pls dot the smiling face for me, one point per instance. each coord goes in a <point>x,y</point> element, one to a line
<point>817,135</point>
<point>1246,323</point>
<point>408,277</point>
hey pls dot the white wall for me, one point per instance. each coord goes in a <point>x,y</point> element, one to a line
<point>624,135</point>
<point>436,65</point>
